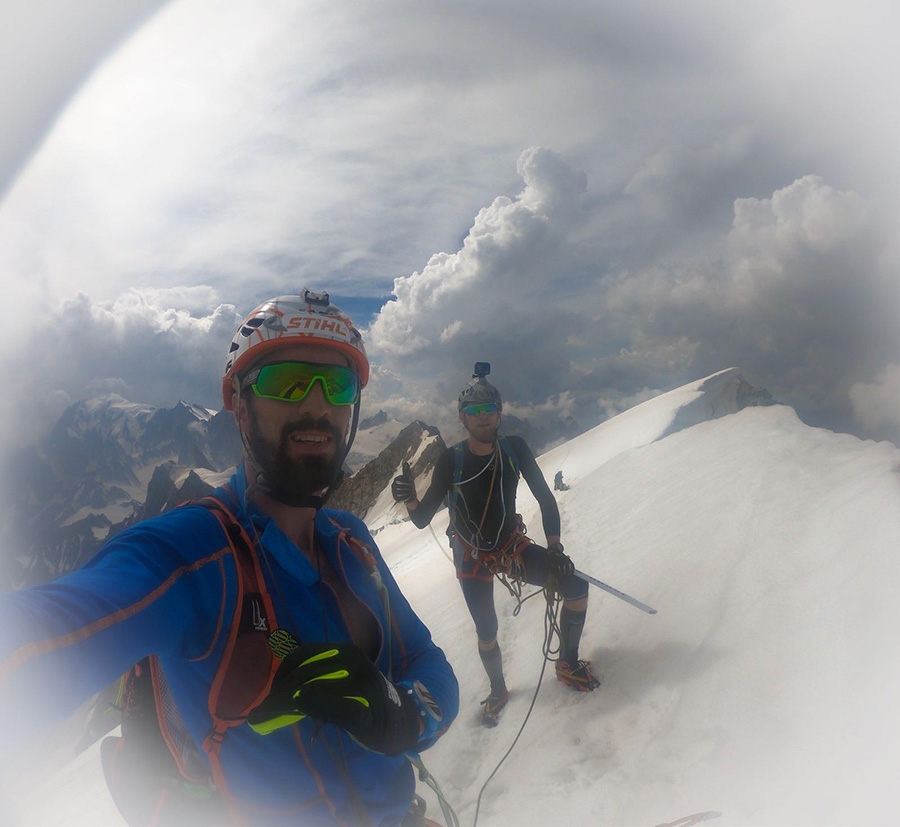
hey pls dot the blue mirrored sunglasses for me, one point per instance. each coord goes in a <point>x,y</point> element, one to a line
<point>292,381</point>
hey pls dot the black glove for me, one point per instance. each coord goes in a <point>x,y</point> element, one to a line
<point>559,564</point>
<point>403,488</point>
<point>336,683</point>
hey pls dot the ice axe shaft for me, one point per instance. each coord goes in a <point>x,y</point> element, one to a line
<point>615,592</point>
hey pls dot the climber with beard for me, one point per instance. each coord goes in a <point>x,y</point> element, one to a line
<point>291,680</point>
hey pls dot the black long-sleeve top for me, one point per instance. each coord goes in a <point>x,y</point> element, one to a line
<point>479,483</point>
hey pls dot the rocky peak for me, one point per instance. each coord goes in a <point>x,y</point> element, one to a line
<point>418,443</point>
<point>373,421</point>
<point>89,477</point>
<point>723,393</point>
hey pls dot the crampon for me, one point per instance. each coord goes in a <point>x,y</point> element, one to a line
<point>492,705</point>
<point>576,675</point>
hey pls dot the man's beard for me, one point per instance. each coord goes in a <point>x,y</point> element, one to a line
<point>296,482</point>
<point>486,436</point>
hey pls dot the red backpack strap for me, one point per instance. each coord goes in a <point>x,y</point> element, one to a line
<point>247,667</point>
<point>358,547</point>
<point>364,553</point>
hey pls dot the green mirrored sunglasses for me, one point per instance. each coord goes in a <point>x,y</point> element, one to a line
<point>483,408</point>
<point>292,381</point>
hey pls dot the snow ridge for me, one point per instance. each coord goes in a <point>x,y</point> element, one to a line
<point>765,688</point>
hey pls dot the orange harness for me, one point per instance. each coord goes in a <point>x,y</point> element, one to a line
<point>503,560</point>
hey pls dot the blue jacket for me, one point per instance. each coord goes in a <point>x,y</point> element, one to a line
<point>167,586</point>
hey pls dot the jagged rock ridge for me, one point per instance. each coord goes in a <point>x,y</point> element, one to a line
<point>723,393</point>
<point>417,443</point>
<point>89,478</point>
<point>109,463</point>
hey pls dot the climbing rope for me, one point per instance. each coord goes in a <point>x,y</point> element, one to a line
<point>551,629</point>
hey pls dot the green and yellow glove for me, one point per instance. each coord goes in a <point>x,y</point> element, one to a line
<point>336,683</point>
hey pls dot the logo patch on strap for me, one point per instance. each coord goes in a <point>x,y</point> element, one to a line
<point>253,614</point>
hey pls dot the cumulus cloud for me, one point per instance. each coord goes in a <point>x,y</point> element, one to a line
<point>877,404</point>
<point>139,346</point>
<point>688,202</point>
<point>494,299</point>
<point>791,292</point>
<point>803,293</point>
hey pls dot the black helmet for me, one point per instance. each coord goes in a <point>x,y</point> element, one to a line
<point>479,390</point>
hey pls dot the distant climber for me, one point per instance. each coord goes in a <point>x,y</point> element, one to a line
<point>558,484</point>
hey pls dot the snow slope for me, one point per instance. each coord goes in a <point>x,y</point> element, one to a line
<point>764,689</point>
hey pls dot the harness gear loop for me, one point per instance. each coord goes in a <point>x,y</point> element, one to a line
<point>505,560</point>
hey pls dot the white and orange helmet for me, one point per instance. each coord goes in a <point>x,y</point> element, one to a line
<point>309,318</point>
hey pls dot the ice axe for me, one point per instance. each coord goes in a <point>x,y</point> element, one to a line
<point>615,592</point>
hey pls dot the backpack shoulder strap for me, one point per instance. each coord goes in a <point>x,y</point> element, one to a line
<point>155,754</point>
<point>453,493</point>
<point>245,672</point>
<point>506,448</point>
<point>362,550</point>
<point>241,544</point>
<point>458,456</point>
<point>254,612</point>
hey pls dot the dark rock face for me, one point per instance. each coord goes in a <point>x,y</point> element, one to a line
<point>358,493</point>
<point>721,394</point>
<point>107,463</point>
<point>373,421</point>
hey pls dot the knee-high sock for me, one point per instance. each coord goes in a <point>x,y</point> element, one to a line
<point>493,664</point>
<point>571,625</point>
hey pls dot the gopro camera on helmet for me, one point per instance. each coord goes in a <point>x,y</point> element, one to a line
<point>479,390</point>
<point>317,299</point>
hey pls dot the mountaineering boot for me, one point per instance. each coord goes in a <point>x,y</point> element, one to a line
<point>492,704</point>
<point>577,675</point>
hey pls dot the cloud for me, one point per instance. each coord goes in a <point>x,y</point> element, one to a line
<point>791,292</point>
<point>139,346</point>
<point>794,293</point>
<point>495,296</point>
<point>805,292</point>
<point>877,404</point>
<point>695,189</point>
<point>529,290</point>
<point>243,146</point>
<point>47,49</point>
